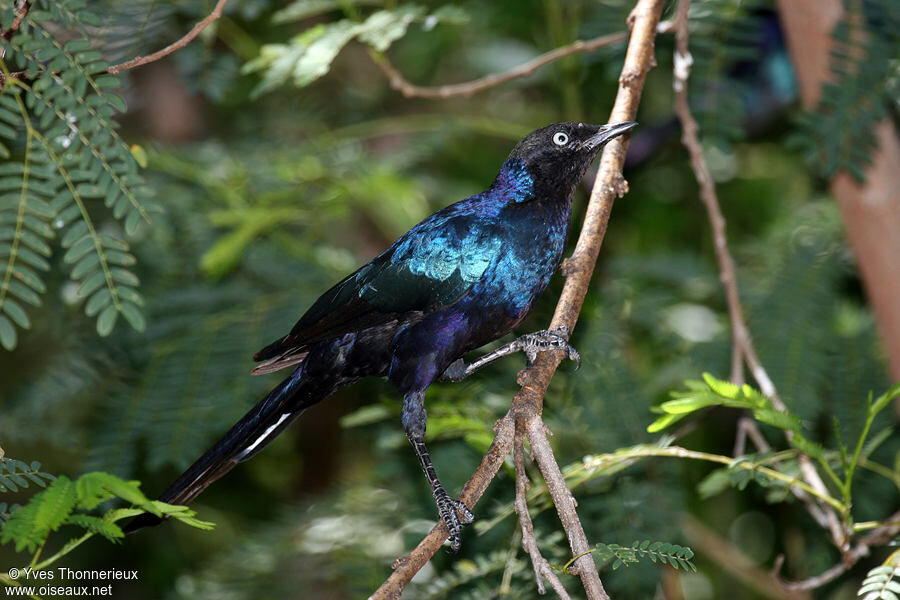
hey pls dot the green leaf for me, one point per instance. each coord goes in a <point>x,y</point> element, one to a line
<point>132,221</point>
<point>663,422</point>
<point>15,312</point>
<point>128,294</point>
<point>133,315</point>
<point>7,333</point>
<point>124,276</point>
<point>307,57</point>
<point>97,486</point>
<point>384,27</point>
<point>723,388</point>
<point>28,277</point>
<point>79,249</point>
<point>110,531</point>
<point>44,512</point>
<point>100,299</point>
<point>715,483</point>
<point>183,514</point>
<point>113,243</point>
<point>107,320</point>
<point>884,399</point>
<point>76,45</point>
<point>804,445</point>
<point>124,259</point>
<point>91,284</point>
<point>683,406</point>
<point>7,484</point>
<point>108,82</point>
<point>139,154</point>
<point>86,265</point>
<point>116,101</point>
<point>24,293</point>
<point>90,190</point>
<point>55,504</point>
<point>777,419</point>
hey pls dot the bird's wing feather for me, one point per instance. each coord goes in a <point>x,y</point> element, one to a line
<point>430,267</point>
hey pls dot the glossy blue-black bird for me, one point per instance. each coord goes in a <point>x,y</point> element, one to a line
<point>461,278</point>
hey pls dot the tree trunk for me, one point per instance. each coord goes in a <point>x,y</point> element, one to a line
<point>871,211</point>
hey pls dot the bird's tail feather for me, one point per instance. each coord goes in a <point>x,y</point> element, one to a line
<point>248,436</point>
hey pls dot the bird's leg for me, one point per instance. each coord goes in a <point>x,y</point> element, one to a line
<point>413,416</point>
<point>530,343</point>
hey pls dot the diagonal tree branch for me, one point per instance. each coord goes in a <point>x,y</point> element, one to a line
<point>525,412</point>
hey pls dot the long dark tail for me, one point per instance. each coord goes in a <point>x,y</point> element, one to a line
<point>258,427</point>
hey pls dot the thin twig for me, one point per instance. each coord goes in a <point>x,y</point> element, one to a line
<point>683,61</point>
<point>527,405</point>
<point>134,62</point>
<point>542,568</point>
<point>877,537</point>
<point>742,343</point>
<point>746,428</point>
<point>411,90</point>
<point>181,43</point>
<point>733,561</point>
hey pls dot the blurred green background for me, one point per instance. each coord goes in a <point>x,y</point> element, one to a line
<point>267,199</point>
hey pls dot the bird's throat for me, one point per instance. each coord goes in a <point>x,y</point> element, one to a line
<point>514,181</point>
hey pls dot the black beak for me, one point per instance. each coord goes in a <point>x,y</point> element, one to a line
<point>606,133</point>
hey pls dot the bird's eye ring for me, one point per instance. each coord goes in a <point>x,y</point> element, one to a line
<point>560,138</point>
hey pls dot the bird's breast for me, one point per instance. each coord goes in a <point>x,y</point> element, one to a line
<point>531,249</point>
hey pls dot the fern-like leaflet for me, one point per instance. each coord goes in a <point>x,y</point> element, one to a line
<point>881,583</point>
<point>66,502</point>
<point>663,553</point>
<point>16,474</point>
<point>839,134</point>
<point>72,155</point>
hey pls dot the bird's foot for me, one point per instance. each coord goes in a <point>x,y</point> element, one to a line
<point>548,339</point>
<point>449,509</point>
<point>530,344</point>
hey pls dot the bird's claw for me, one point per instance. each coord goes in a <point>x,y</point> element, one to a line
<point>553,339</point>
<point>449,510</point>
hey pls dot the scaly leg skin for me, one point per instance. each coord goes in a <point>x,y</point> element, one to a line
<point>447,506</point>
<point>530,343</point>
<point>413,417</point>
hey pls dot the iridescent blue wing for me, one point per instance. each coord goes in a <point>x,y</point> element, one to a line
<point>430,267</point>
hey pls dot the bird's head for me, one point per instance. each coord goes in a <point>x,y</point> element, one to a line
<point>557,155</point>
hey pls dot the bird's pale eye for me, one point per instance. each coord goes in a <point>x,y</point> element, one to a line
<point>560,138</point>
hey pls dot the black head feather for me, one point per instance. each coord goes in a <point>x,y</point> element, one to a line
<point>558,155</point>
